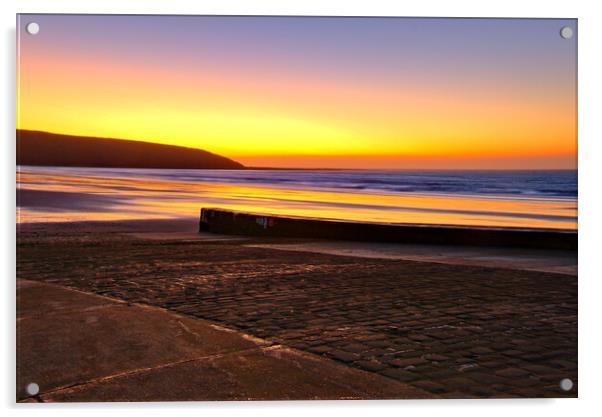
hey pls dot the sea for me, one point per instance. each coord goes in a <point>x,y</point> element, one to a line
<point>532,199</point>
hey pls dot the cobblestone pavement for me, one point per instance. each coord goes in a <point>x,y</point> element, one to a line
<point>455,331</point>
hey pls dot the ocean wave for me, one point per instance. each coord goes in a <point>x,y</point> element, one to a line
<point>501,183</point>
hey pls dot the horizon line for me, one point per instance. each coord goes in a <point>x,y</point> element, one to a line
<point>319,156</point>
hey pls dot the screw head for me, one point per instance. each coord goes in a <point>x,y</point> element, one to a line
<point>32,28</point>
<point>32,388</point>
<point>566,384</point>
<point>566,32</point>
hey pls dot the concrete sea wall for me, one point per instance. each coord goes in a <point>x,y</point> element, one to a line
<point>239,223</point>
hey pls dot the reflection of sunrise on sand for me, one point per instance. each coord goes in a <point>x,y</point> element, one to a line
<point>130,197</point>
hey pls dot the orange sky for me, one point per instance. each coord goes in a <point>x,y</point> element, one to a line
<point>342,94</point>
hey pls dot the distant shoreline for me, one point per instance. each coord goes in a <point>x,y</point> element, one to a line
<point>39,148</point>
<point>406,169</point>
<point>246,168</point>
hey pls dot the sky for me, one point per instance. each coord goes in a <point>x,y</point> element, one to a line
<point>391,93</point>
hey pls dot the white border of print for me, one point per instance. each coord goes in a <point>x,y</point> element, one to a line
<point>590,207</point>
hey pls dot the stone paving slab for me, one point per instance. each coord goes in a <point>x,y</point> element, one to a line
<point>456,331</point>
<point>272,373</point>
<point>89,337</point>
<point>37,300</point>
<point>82,347</point>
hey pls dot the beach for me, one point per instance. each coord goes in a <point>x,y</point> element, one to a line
<point>430,321</point>
<point>534,199</point>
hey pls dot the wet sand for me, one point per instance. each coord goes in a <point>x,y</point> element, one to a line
<point>453,329</point>
<point>81,194</point>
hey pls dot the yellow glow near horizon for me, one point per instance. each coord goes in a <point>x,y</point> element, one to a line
<point>262,129</point>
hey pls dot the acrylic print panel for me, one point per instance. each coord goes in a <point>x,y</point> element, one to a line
<point>285,208</point>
